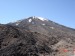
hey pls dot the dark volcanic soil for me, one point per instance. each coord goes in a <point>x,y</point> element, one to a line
<point>15,42</point>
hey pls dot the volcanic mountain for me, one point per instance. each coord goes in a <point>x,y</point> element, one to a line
<point>36,36</point>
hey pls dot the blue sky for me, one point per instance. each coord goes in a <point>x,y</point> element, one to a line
<point>60,11</point>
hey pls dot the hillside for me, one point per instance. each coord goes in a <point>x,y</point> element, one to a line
<point>36,36</point>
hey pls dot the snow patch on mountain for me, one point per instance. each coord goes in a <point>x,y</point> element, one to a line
<point>52,27</point>
<point>30,20</point>
<point>17,24</point>
<point>43,24</point>
<point>43,19</point>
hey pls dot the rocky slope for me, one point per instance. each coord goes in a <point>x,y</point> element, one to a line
<point>36,36</point>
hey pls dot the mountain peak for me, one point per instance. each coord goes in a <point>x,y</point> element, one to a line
<point>40,18</point>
